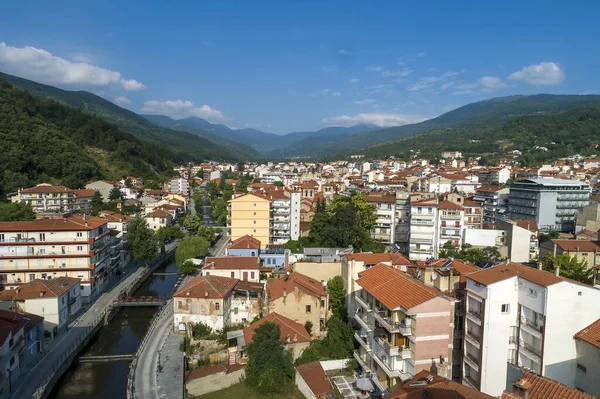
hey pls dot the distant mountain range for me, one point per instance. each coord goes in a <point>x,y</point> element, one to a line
<point>266,143</point>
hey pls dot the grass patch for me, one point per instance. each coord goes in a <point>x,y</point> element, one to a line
<point>241,390</point>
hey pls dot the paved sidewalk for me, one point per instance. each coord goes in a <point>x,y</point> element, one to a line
<point>170,372</point>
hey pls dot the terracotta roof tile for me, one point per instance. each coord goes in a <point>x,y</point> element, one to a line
<point>295,280</point>
<point>527,224</point>
<point>287,328</point>
<point>159,213</point>
<point>232,263</point>
<point>381,197</point>
<point>52,288</point>
<point>373,259</point>
<point>208,287</point>
<point>70,223</point>
<point>316,379</point>
<point>449,205</point>
<point>578,245</point>
<point>395,288</point>
<point>245,242</point>
<point>46,188</point>
<point>258,195</point>
<point>591,334</point>
<point>489,189</point>
<point>539,387</point>
<point>504,271</point>
<point>437,388</point>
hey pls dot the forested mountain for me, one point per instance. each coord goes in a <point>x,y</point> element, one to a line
<point>44,141</point>
<point>186,146</point>
<point>562,134</point>
<point>478,116</point>
<point>266,143</point>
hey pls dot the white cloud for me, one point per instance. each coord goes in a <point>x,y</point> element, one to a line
<point>354,80</point>
<point>180,109</point>
<point>430,81</point>
<point>343,51</point>
<point>374,68</point>
<point>488,83</point>
<point>40,65</point>
<point>377,119</point>
<point>121,100</point>
<point>402,73</point>
<point>329,92</point>
<point>257,125</point>
<point>421,54</point>
<point>364,102</point>
<point>545,73</point>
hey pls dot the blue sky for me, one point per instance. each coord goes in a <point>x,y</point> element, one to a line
<point>285,66</point>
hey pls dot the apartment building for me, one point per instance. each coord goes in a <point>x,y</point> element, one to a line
<point>552,203</point>
<point>250,214</point>
<point>495,203</point>
<point>384,229</point>
<point>405,327</point>
<point>520,240</point>
<point>473,214</point>
<point>286,216</point>
<point>46,198</point>
<point>432,224</point>
<point>526,316</point>
<point>589,218</point>
<point>587,251</point>
<point>587,342</point>
<point>402,221</point>
<point>493,176</point>
<point>245,268</point>
<point>72,246</point>
<point>178,186</point>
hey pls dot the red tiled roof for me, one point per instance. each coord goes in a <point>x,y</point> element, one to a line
<point>114,216</point>
<point>591,334</point>
<point>46,188</point>
<point>381,197</point>
<point>287,328</point>
<point>527,224</point>
<point>258,195</point>
<point>207,287</point>
<point>231,263</point>
<point>449,205</point>
<point>373,259</point>
<point>84,193</point>
<point>505,271</point>
<point>249,286</point>
<point>159,213</point>
<point>437,388</point>
<point>11,322</point>
<point>578,245</point>
<point>245,242</point>
<point>52,288</point>
<point>295,280</point>
<point>313,374</point>
<point>489,189</point>
<point>69,223</point>
<point>539,387</point>
<point>395,288</point>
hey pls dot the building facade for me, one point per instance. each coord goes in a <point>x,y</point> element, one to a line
<point>46,198</point>
<point>250,214</point>
<point>384,229</point>
<point>495,203</point>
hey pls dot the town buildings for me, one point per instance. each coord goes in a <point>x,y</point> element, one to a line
<point>250,214</point>
<point>586,251</point>
<point>495,203</point>
<point>587,345</point>
<point>47,199</point>
<point>385,211</point>
<point>246,268</point>
<point>76,246</point>
<point>552,203</point>
<point>526,317</point>
<point>104,187</point>
<point>285,216</point>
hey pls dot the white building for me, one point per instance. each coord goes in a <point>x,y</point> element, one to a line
<point>75,246</point>
<point>158,219</point>
<point>526,316</point>
<point>432,224</point>
<point>384,229</point>
<point>178,186</point>
<point>286,216</point>
<point>495,203</point>
<point>46,198</point>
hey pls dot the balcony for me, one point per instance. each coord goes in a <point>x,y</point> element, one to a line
<point>363,321</point>
<point>393,327</point>
<point>382,361</point>
<point>423,215</point>
<point>418,222</point>
<point>531,325</point>
<point>473,334</point>
<point>472,360</point>
<point>421,250</point>
<point>362,302</point>
<point>471,382</point>
<point>394,350</point>
<point>361,361</point>
<point>537,352</point>
<point>421,240</point>
<point>363,341</point>
<point>456,216</point>
<point>474,312</point>
<point>380,385</point>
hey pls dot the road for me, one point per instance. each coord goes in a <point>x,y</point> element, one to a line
<point>58,350</point>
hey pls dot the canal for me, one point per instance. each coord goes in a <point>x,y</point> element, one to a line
<point>122,336</point>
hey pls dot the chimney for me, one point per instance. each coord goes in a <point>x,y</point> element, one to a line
<point>206,293</point>
<point>539,265</point>
<point>520,388</point>
<point>84,216</point>
<point>284,293</point>
<point>41,294</point>
<point>557,271</point>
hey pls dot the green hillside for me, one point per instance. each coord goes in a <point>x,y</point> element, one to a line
<point>563,134</point>
<point>44,141</point>
<point>186,146</point>
<point>479,116</point>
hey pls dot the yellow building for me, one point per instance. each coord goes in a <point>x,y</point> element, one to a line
<point>250,214</point>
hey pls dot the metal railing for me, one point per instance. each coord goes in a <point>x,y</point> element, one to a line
<point>474,312</point>
<point>531,323</point>
<point>474,335</point>
<point>531,348</point>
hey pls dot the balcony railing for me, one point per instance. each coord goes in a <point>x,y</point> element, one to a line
<point>363,320</point>
<point>382,361</point>
<point>363,341</point>
<point>474,359</point>
<point>421,250</point>
<point>474,312</point>
<point>530,348</point>
<point>362,302</point>
<point>422,222</point>
<point>473,334</point>
<point>422,240</point>
<point>361,361</point>
<point>389,324</point>
<point>531,323</point>
<point>472,381</point>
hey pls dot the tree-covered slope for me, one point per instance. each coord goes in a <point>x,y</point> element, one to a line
<point>562,134</point>
<point>44,141</point>
<point>186,146</point>
<point>478,116</point>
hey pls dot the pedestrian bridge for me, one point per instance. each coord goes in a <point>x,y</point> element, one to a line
<point>105,358</point>
<point>140,301</point>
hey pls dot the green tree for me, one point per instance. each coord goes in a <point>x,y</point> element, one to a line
<point>337,297</point>
<point>337,344</point>
<point>115,194</point>
<point>191,222</point>
<point>308,326</point>
<point>191,247</point>
<point>569,267</point>
<point>141,240</point>
<point>128,183</point>
<point>278,184</point>
<point>242,186</point>
<point>269,369</point>
<point>16,212</point>
<point>97,203</point>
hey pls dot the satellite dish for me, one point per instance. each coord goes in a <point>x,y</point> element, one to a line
<point>434,275</point>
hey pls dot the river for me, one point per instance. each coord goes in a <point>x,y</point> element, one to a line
<point>123,335</point>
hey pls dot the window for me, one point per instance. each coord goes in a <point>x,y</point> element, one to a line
<point>79,234</point>
<point>254,213</point>
<point>217,306</point>
<point>32,276</point>
<point>1,237</point>
<point>582,368</point>
<point>254,231</point>
<point>44,275</point>
<point>11,342</point>
<point>584,254</point>
<point>322,303</point>
<point>12,361</point>
<point>255,204</point>
<point>40,262</point>
<point>42,236</point>
<point>63,300</point>
<point>307,308</point>
<point>179,305</point>
<point>80,247</point>
<point>232,274</point>
<point>505,308</point>
<point>252,275</point>
<point>254,221</point>
<point>42,251</point>
<point>532,292</point>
